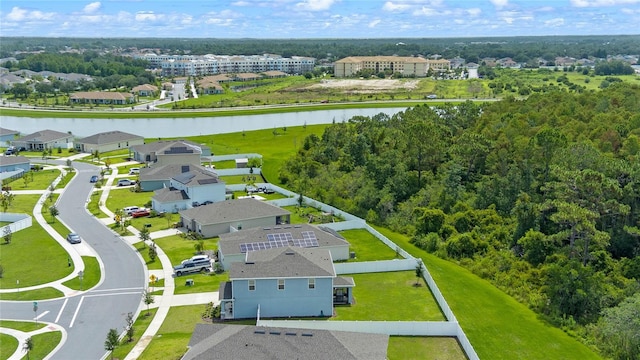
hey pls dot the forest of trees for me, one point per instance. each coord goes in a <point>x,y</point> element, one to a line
<point>539,196</point>
<point>521,49</point>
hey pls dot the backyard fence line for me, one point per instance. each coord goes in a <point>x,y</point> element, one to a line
<point>215,158</point>
<point>398,328</point>
<point>375,266</point>
<point>18,222</point>
<point>239,171</point>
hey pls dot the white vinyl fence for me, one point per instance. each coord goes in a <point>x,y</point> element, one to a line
<point>18,222</point>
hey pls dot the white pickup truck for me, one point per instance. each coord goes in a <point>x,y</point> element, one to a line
<point>193,266</point>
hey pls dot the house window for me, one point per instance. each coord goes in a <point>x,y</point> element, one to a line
<point>280,284</point>
<point>312,283</point>
<point>252,285</point>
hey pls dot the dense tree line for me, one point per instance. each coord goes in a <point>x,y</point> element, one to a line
<point>521,49</point>
<point>540,196</point>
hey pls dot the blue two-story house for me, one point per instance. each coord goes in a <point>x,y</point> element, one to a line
<point>282,282</point>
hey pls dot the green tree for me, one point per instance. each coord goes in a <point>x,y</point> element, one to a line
<point>419,271</point>
<point>144,235</point>
<point>199,246</point>
<point>6,198</point>
<point>618,330</point>
<point>53,211</point>
<point>153,252</point>
<point>112,341</point>
<point>7,234</point>
<point>20,90</point>
<point>148,299</point>
<point>28,346</point>
<point>129,321</point>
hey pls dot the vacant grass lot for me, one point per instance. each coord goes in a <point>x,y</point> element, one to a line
<point>35,180</point>
<point>36,244</point>
<point>390,296</point>
<point>424,348</point>
<point>497,325</point>
<point>173,336</point>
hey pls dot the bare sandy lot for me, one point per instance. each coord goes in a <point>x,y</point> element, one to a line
<point>364,86</point>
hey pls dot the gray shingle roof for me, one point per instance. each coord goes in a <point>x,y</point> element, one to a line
<point>285,262</point>
<point>163,145</point>
<point>232,210</point>
<point>218,341</point>
<point>344,281</point>
<point>109,137</point>
<point>230,243</point>
<point>167,194</point>
<point>45,136</point>
<point>12,160</point>
<point>4,132</point>
<point>197,173</point>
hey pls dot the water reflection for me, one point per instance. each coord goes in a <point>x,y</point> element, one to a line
<point>177,127</point>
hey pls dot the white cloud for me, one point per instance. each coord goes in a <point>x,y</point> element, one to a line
<point>315,5</point>
<point>19,14</point>
<point>598,3</point>
<point>474,11</point>
<point>631,11</point>
<point>374,23</point>
<point>554,22</point>
<point>391,6</point>
<point>91,8</point>
<point>148,16</point>
<point>240,3</point>
<point>500,3</point>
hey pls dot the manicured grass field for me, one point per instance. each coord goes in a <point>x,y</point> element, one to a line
<point>26,326</point>
<point>35,180</point>
<point>94,205</point>
<point>301,215</point>
<point>143,249</point>
<point>139,327</point>
<point>8,345</point>
<point>227,164</point>
<point>424,348</point>
<point>367,247</point>
<point>497,325</point>
<point>390,296</point>
<point>91,275</point>
<point>38,294</point>
<point>171,340</point>
<point>36,244</point>
<point>44,343</point>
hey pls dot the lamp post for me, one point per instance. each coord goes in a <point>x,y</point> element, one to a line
<point>80,275</point>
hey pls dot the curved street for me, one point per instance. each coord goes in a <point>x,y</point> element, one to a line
<point>87,316</point>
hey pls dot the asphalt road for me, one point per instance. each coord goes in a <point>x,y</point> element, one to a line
<point>88,316</point>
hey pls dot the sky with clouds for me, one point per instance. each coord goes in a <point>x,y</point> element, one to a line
<point>317,18</point>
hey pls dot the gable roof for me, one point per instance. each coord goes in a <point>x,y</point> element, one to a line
<point>284,262</point>
<point>230,243</point>
<point>99,95</point>
<point>193,175</point>
<point>45,136</point>
<point>169,194</point>
<point>220,341</point>
<point>165,146</point>
<point>233,210</point>
<point>109,137</point>
<point>5,132</point>
<point>404,59</point>
<point>12,160</point>
<point>145,87</point>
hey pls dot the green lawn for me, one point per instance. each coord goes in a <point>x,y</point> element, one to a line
<point>26,326</point>
<point>424,348</point>
<point>38,294</point>
<point>90,278</point>
<point>139,327</point>
<point>171,340</point>
<point>8,344</point>
<point>301,215</point>
<point>378,295</point>
<point>43,344</point>
<point>238,179</point>
<point>367,247</point>
<point>497,325</point>
<point>35,180</point>
<point>143,249</point>
<point>38,245</point>
<point>94,205</point>
<point>177,249</point>
<point>226,164</point>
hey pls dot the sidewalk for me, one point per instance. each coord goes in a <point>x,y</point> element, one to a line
<point>22,336</point>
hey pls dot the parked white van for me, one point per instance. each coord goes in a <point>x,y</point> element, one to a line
<point>134,171</point>
<point>130,209</point>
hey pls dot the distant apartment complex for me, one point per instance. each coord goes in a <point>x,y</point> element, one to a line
<point>194,65</point>
<point>406,65</point>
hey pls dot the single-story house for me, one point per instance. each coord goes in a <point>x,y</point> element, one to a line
<point>233,247</point>
<point>223,341</point>
<point>219,78</point>
<point>167,152</point>
<point>145,90</point>
<point>158,177</point>
<point>193,185</point>
<point>102,97</point>
<point>7,136</point>
<point>247,76</point>
<point>231,215</point>
<point>281,282</point>
<point>108,141</point>
<point>275,74</point>
<point>167,86</point>
<point>209,87</point>
<point>14,163</point>
<point>44,139</point>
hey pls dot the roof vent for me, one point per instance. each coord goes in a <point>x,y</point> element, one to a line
<point>307,334</point>
<point>185,168</point>
<point>259,332</point>
<point>274,332</point>
<point>291,334</point>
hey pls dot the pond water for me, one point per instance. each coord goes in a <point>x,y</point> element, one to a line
<point>178,127</point>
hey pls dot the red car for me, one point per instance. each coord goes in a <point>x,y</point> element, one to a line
<point>140,213</point>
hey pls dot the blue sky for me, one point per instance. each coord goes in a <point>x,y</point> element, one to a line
<point>317,18</point>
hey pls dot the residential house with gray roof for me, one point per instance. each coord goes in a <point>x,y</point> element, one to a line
<point>108,141</point>
<point>233,246</point>
<point>170,152</point>
<point>222,341</point>
<point>11,165</point>
<point>287,281</point>
<point>44,139</point>
<point>7,136</point>
<point>193,185</point>
<point>232,215</point>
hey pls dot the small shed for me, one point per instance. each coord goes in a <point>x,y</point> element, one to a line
<point>242,163</point>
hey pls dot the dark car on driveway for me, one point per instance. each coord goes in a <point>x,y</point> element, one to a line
<point>94,179</point>
<point>74,238</point>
